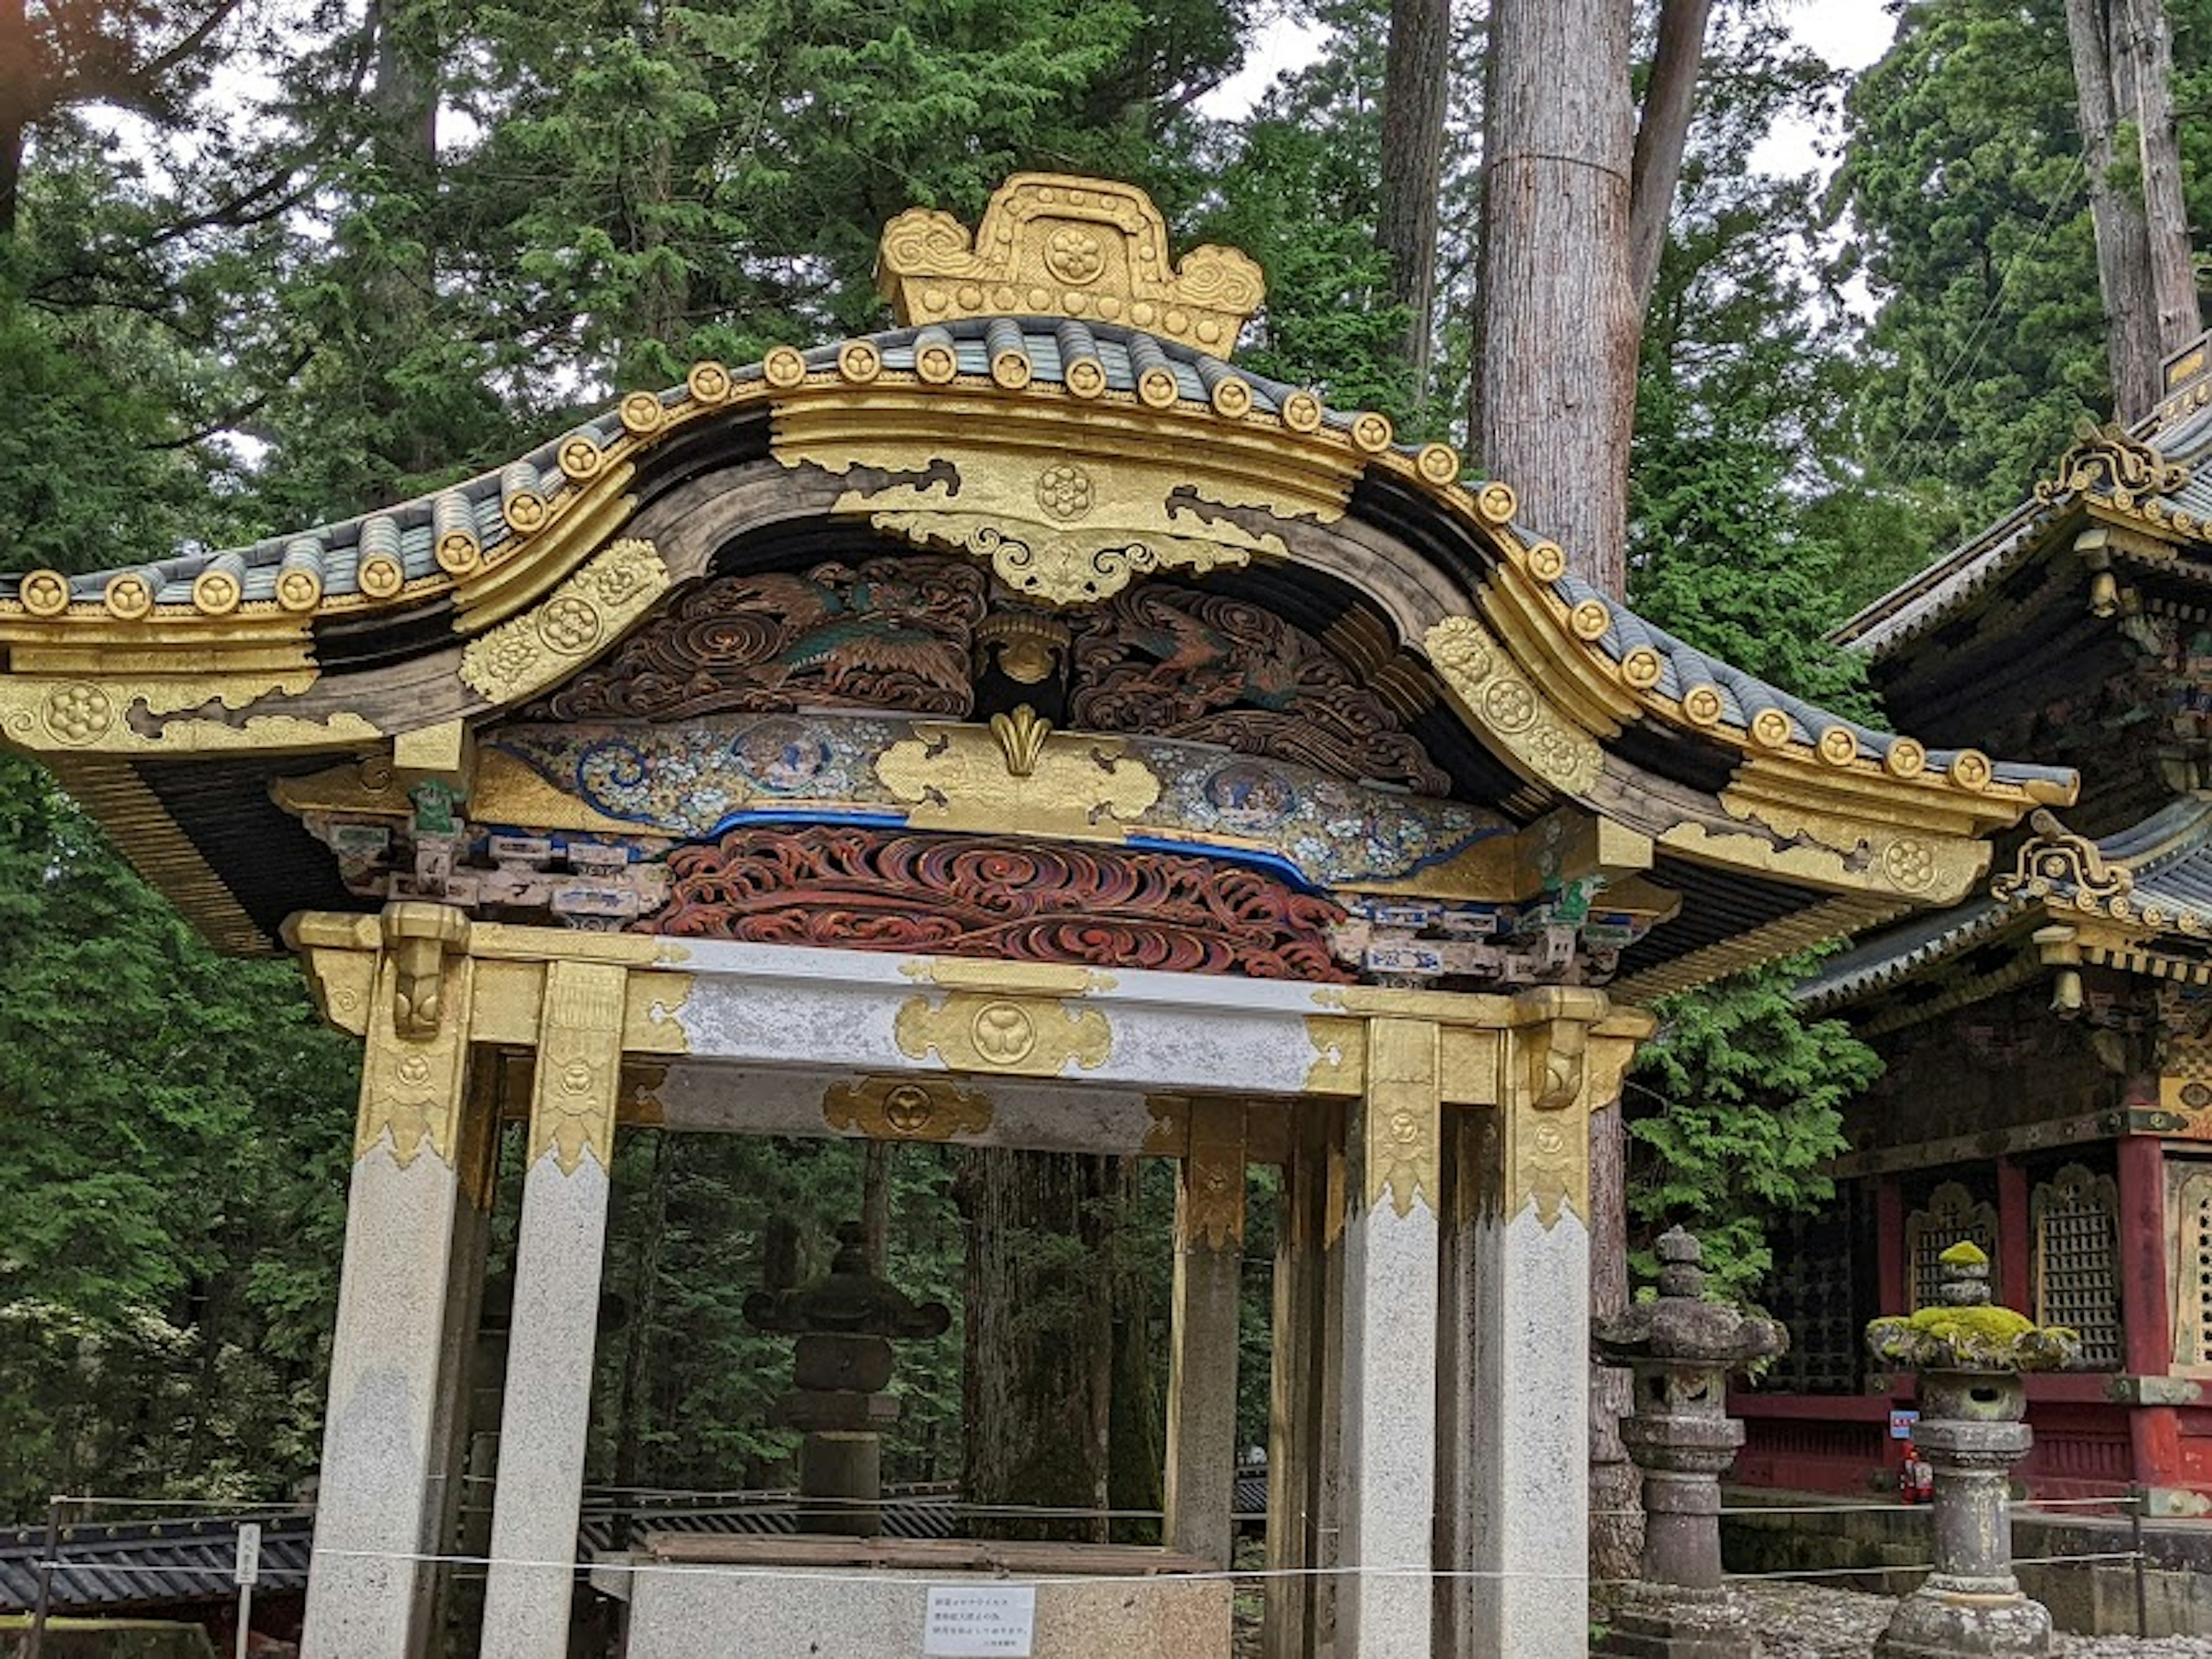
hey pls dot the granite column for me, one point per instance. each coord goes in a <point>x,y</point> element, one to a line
<point>1389,1407</point>
<point>1209,1258</point>
<point>382,1487</point>
<point>539,1491</point>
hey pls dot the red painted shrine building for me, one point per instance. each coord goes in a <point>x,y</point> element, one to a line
<point>2048,1041</point>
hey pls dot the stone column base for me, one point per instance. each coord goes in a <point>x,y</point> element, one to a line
<point>1938,1625</point>
<point>1649,1622</point>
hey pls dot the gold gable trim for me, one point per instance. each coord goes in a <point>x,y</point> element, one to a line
<point>1054,245</point>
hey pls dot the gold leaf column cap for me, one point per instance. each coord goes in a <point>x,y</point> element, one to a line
<point>1054,245</point>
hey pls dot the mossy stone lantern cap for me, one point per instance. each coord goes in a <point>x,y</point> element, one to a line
<point>1965,1333</point>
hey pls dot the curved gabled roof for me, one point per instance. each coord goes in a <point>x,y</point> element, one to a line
<point>1074,454</point>
<point>439,545</point>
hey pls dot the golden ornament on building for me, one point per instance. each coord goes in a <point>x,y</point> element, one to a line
<point>1087,248</point>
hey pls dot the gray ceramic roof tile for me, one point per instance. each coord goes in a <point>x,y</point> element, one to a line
<point>1898,953</point>
<point>2168,854</point>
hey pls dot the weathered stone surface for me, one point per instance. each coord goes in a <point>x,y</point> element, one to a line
<point>1651,1621</point>
<point>1971,1399</point>
<point>1682,1349</point>
<point>680,1613</point>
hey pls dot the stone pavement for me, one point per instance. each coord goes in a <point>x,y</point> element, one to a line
<point>1804,1621</point>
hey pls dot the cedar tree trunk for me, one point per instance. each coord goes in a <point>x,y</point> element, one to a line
<point>2123,55</point>
<point>1038,1389</point>
<point>1415,84</point>
<point>1576,195</point>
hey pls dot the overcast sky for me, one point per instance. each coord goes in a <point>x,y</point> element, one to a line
<point>1849,33</point>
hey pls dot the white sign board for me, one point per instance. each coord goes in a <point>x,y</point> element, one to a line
<point>248,1570</point>
<point>979,1621</point>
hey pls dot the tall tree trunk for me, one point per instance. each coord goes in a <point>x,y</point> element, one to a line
<point>1559,335</point>
<point>402,100</point>
<point>1416,87</point>
<point>1576,195</point>
<point>1037,1386</point>
<point>876,1204</point>
<point>1662,135</point>
<point>19,91</point>
<point>2107,89</point>
<point>2166,216</point>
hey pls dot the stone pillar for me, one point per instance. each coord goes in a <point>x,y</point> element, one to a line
<point>381,1490</point>
<point>1682,1349</point>
<point>1294,1387</point>
<point>1383,1598</point>
<point>1209,1260</point>
<point>1970,1357</point>
<point>547,1410</point>
<point>1528,1433</point>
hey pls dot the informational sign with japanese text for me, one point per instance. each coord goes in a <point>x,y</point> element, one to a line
<point>979,1621</point>
<point>1900,1425</point>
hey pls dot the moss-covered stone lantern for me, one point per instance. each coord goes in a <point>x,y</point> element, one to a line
<point>1970,1356</point>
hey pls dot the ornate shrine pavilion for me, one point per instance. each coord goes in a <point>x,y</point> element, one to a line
<point>2048,1040</point>
<point>1022,728</point>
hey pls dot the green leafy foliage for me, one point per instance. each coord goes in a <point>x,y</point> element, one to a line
<point>174,1132</point>
<point>1736,1111</point>
<point>1967,205</point>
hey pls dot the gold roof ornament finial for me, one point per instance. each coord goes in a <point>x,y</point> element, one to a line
<point>1057,247</point>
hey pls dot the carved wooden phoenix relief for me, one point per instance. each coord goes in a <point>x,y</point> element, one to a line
<point>892,633</point>
<point>1169,663</point>
<point>910,635</point>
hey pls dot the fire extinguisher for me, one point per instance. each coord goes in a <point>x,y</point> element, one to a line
<point>1916,1480</point>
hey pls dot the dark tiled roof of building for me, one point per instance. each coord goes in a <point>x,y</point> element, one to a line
<point>2174,444</point>
<point>2164,879</point>
<point>114,1568</point>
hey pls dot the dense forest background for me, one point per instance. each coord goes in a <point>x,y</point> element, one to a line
<point>266,263</point>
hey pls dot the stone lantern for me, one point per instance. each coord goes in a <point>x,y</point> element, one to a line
<point>1682,1349</point>
<point>846,1322</point>
<point>1970,1357</point>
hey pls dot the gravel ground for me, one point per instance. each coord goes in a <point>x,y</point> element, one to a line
<point>1804,1621</point>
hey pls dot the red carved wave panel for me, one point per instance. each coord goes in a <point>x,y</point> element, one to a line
<point>872,890</point>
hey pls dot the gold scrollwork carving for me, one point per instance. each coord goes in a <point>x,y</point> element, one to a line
<point>572,1107</point>
<point>975,777</point>
<point>1498,697</point>
<point>417,938</point>
<point>1061,566</point>
<point>2056,857</point>
<point>1404,1108</point>
<point>2106,458</point>
<point>1550,1132</point>
<point>530,652</point>
<point>411,1084</point>
<point>906,1109</point>
<point>975,1031</point>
